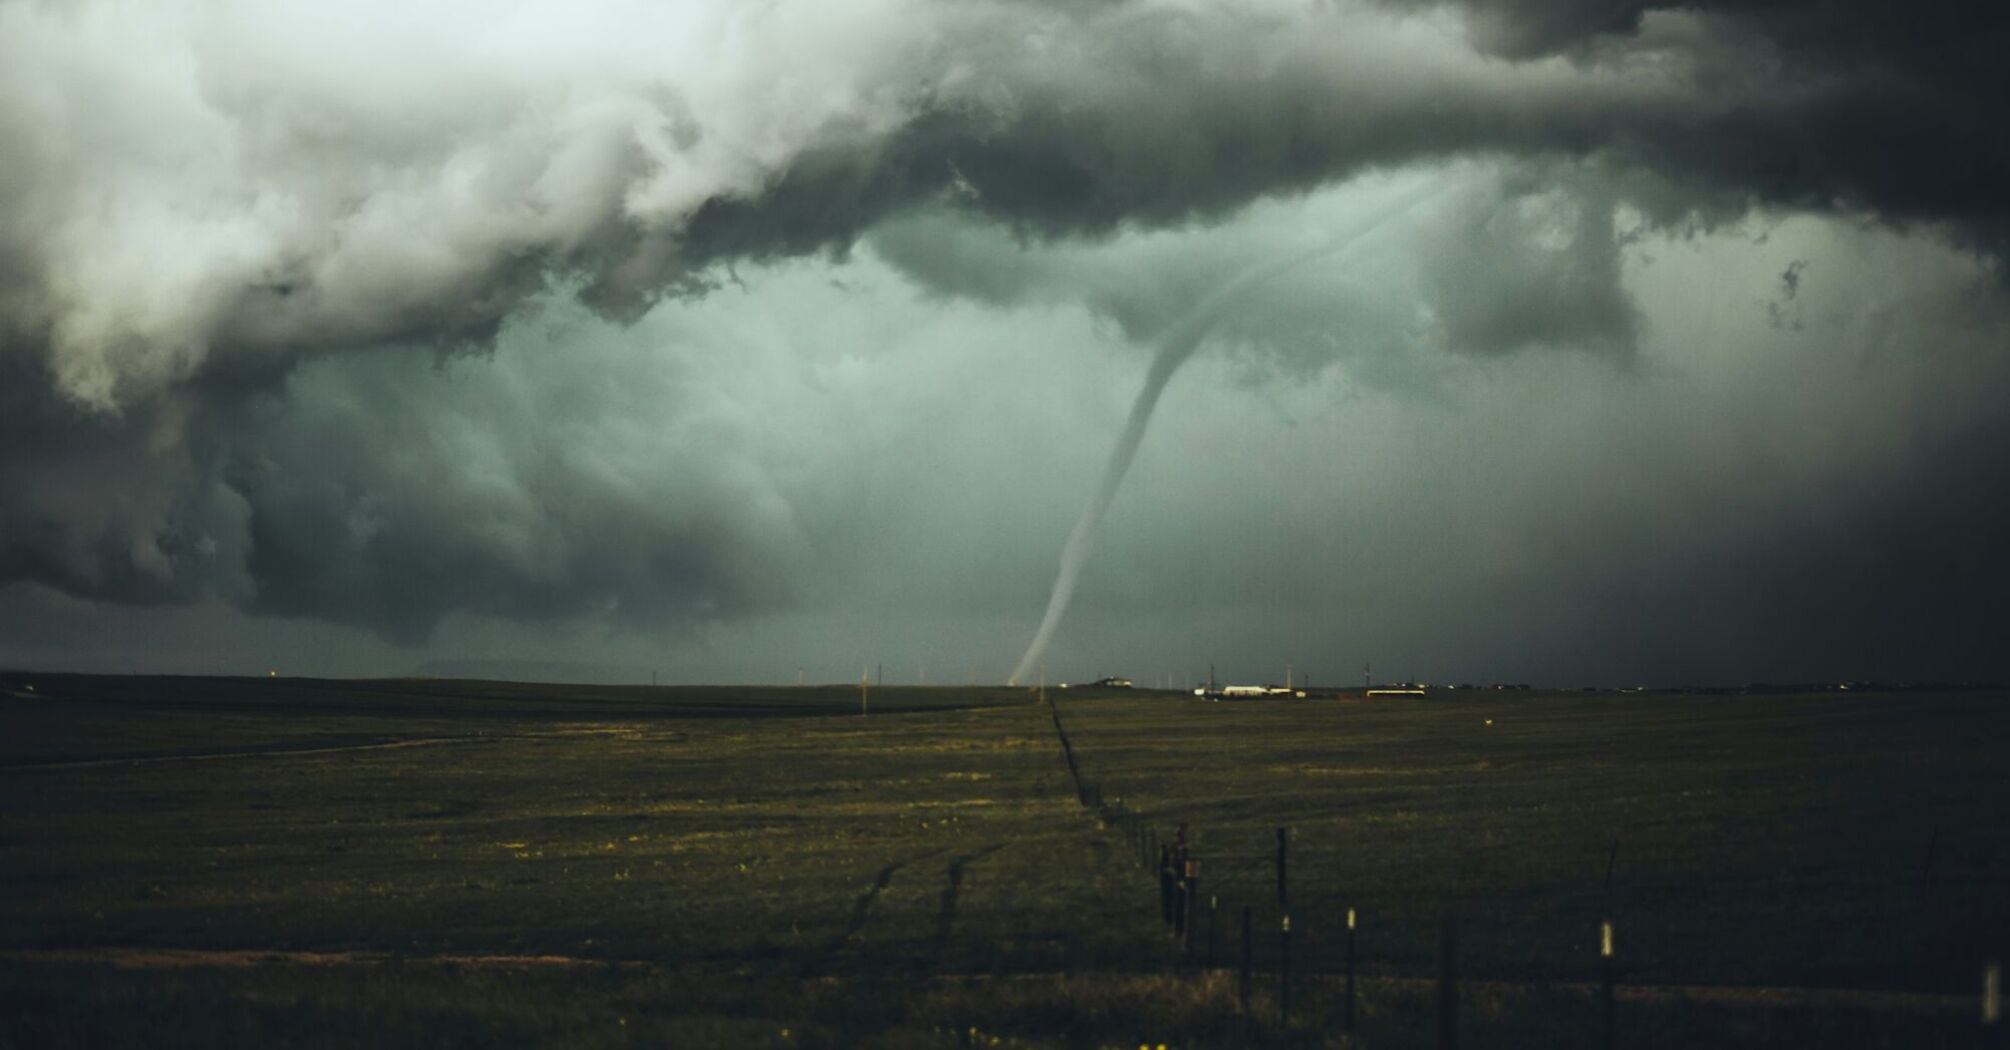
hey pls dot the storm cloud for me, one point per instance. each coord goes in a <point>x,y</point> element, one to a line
<point>376,315</point>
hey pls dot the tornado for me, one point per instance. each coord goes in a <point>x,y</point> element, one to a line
<point>1175,344</point>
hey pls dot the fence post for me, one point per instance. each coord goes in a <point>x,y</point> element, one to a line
<point>1284,972</point>
<point>1165,885</point>
<point>1243,985</point>
<point>1284,932</point>
<point>1213,920</point>
<point>1349,1015</point>
<point>1192,910</point>
<point>1992,1006</point>
<point>1448,984</point>
<point>1605,976</point>
<point>1281,860</point>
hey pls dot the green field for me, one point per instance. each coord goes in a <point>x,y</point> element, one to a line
<point>251,862</point>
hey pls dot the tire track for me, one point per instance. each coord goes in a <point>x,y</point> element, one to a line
<point>861,911</point>
<point>265,752</point>
<point>947,917</point>
<point>1756,996</point>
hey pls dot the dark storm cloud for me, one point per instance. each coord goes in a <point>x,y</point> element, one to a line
<point>124,507</point>
<point>214,201</point>
<point>390,489</point>
<point>517,488</point>
<point>1537,263</point>
<point>1506,257</point>
<point>1143,118</point>
<point>198,204</point>
<point>1889,108</point>
<point>1901,580</point>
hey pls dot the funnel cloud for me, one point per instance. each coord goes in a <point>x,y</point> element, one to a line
<point>1175,347</point>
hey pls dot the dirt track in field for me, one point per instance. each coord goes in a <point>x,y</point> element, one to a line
<point>263,752</point>
<point>1715,995</point>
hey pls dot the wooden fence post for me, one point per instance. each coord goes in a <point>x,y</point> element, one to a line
<point>1992,1006</point>
<point>1284,971</point>
<point>1448,984</point>
<point>1605,977</point>
<point>1349,1014</point>
<point>1284,931</point>
<point>1213,920</point>
<point>1189,920</point>
<point>1282,900</point>
<point>1243,985</point>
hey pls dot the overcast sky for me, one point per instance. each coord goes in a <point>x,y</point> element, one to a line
<point>1554,341</point>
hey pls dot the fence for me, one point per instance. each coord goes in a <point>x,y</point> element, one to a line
<point>1192,885</point>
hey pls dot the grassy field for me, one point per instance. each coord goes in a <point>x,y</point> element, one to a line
<point>252,862</point>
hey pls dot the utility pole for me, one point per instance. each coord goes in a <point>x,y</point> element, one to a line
<point>863,706</point>
<point>1367,678</point>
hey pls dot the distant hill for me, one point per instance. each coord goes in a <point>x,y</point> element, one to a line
<point>563,671</point>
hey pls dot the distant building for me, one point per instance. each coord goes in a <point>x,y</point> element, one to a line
<point>1113,682</point>
<point>1243,692</point>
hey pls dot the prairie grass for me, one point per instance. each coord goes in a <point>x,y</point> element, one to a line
<point>603,867</point>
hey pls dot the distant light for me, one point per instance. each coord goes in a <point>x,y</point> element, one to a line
<point>1490,721</point>
<point>1605,939</point>
<point>272,674</point>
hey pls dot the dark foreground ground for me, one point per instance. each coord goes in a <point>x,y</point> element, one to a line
<point>215,862</point>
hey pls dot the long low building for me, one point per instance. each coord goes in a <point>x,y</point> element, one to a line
<point>1246,692</point>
